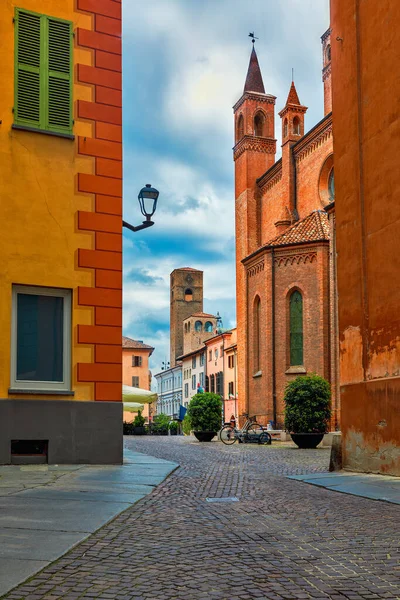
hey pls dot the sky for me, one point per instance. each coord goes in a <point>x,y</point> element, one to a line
<point>184,67</point>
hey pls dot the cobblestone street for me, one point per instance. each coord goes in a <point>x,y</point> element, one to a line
<point>283,540</point>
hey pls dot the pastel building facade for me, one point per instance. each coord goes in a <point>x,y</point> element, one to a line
<point>135,369</point>
<point>61,244</point>
<point>169,391</point>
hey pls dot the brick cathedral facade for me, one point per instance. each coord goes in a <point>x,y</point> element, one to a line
<point>286,301</point>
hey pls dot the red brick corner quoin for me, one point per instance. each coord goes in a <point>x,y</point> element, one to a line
<point>105,75</point>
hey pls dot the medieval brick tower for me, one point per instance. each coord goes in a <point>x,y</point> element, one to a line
<point>186,287</point>
<point>253,153</point>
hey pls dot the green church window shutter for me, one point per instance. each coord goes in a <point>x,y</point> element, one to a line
<point>296,328</point>
<point>43,72</point>
<point>59,76</point>
<point>28,69</point>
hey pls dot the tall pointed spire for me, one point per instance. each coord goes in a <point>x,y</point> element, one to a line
<point>254,81</point>
<point>293,97</point>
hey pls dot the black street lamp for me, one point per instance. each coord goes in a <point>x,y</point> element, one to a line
<point>148,197</point>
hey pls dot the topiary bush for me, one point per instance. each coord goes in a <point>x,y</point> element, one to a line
<point>307,404</point>
<point>205,412</point>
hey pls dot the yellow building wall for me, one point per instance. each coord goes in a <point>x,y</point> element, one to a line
<point>39,201</point>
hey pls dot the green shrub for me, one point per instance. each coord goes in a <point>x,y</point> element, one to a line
<point>139,421</point>
<point>205,412</point>
<point>307,405</point>
<point>173,427</point>
<point>127,428</point>
<point>161,424</point>
<point>186,425</point>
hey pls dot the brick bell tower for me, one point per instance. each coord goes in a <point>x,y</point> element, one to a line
<point>186,289</point>
<point>253,153</point>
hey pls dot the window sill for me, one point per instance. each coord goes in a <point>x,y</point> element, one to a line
<point>296,369</point>
<point>258,374</point>
<point>69,136</point>
<point>31,392</point>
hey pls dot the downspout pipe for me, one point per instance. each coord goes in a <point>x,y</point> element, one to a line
<point>295,211</point>
<point>273,336</point>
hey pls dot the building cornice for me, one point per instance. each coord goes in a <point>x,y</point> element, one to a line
<point>271,176</point>
<point>325,35</point>
<point>316,136</point>
<point>254,144</point>
<point>294,108</point>
<point>265,98</point>
<point>247,261</point>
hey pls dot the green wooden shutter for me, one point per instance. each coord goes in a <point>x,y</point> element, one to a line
<point>27,69</point>
<point>59,76</point>
<point>296,329</point>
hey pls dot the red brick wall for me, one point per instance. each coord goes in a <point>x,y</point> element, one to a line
<point>304,268</point>
<point>104,75</point>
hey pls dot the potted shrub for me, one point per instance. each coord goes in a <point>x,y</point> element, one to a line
<point>160,424</point>
<point>205,414</point>
<point>127,428</point>
<point>173,428</point>
<point>307,409</point>
<point>138,424</point>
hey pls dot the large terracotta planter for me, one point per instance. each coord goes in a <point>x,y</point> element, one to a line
<point>205,436</point>
<point>307,440</point>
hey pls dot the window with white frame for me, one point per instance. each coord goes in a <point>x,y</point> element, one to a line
<point>186,390</point>
<point>202,359</point>
<point>41,338</point>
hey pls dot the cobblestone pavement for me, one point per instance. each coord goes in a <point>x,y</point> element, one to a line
<point>283,540</point>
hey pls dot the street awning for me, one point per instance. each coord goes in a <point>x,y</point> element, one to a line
<point>133,394</point>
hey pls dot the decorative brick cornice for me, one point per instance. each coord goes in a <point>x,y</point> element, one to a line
<point>256,268</point>
<point>271,177</point>
<point>325,35</point>
<point>326,71</point>
<point>292,258</point>
<point>255,144</point>
<point>260,98</point>
<point>293,108</point>
<point>313,138</point>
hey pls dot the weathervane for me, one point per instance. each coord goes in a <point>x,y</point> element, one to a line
<point>253,37</point>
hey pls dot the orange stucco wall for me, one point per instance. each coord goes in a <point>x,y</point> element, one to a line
<point>51,231</point>
<point>366,123</point>
<point>142,372</point>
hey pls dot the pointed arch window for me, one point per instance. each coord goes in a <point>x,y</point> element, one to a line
<point>296,126</point>
<point>198,326</point>
<point>296,328</point>
<point>240,128</point>
<point>256,333</point>
<point>259,124</point>
<point>188,295</point>
<point>285,128</point>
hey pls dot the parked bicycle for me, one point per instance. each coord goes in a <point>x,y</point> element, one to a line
<point>251,433</point>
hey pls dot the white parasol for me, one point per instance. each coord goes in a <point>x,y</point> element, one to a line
<point>137,395</point>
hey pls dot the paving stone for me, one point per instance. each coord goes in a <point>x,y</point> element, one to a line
<point>281,541</point>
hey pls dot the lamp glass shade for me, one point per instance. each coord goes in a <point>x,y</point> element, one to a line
<point>148,197</point>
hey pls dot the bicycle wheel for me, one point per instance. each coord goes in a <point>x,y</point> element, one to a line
<point>227,435</point>
<point>265,438</point>
<point>254,431</point>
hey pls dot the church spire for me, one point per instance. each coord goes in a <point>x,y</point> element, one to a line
<point>254,81</point>
<point>292,96</point>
